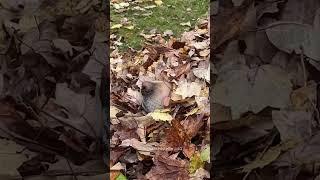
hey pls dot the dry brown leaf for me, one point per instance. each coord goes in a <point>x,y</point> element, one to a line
<point>167,168</point>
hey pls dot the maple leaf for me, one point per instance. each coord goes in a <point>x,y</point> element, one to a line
<point>167,167</point>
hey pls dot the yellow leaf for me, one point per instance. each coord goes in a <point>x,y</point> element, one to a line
<point>161,116</point>
<point>114,111</point>
<point>116,26</point>
<point>158,2</point>
<point>186,24</point>
<point>195,163</point>
<point>193,111</point>
<point>129,27</point>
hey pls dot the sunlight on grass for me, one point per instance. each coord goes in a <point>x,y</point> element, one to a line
<point>168,16</point>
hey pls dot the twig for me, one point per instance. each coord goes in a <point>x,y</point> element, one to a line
<point>35,19</point>
<point>74,175</point>
<point>14,34</point>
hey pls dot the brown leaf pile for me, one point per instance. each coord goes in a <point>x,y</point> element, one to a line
<point>265,89</point>
<point>52,58</point>
<point>160,105</point>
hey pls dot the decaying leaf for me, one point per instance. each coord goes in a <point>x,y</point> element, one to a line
<point>165,67</point>
<point>265,70</point>
<point>202,73</point>
<point>143,148</point>
<point>161,116</point>
<point>186,24</point>
<point>10,159</point>
<point>116,26</point>
<point>195,163</point>
<point>296,38</point>
<point>168,168</point>
<point>269,86</point>
<point>268,157</point>
<point>188,89</point>
<point>293,125</point>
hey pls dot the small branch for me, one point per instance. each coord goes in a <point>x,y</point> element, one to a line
<point>74,176</point>
<point>35,19</point>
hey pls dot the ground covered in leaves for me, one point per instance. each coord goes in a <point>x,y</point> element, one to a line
<point>160,110</point>
<point>265,92</point>
<point>52,56</point>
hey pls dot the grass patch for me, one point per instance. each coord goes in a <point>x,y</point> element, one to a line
<point>168,16</point>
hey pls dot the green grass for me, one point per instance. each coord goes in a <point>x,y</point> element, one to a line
<point>168,16</point>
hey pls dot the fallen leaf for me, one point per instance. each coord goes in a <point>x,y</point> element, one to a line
<point>304,98</point>
<point>201,45</point>
<point>291,37</point>
<point>160,116</point>
<point>81,108</point>
<point>299,154</point>
<point>114,111</point>
<point>121,177</point>
<point>204,53</point>
<point>167,33</point>
<point>229,23</point>
<point>268,157</point>
<point>176,135</point>
<point>200,174</point>
<point>167,168</point>
<point>188,89</point>
<point>186,24</point>
<point>10,160</point>
<point>205,154</point>
<point>263,160</point>
<point>150,7</point>
<point>117,167</point>
<point>63,45</point>
<point>143,148</point>
<point>192,112</point>
<point>195,163</point>
<point>293,125</point>
<point>234,89</point>
<point>202,73</point>
<point>116,26</point>
<point>158,2</point>
<point>129,27</point>
<point>120,5</point>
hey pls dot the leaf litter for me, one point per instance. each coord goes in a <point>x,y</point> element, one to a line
<point>264,97</point>
<point>53,89</point>
<point>169,115</point>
